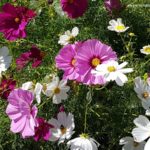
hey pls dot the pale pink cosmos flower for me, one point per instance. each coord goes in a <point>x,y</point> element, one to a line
<point>22,113</point>
<point>91,54</point>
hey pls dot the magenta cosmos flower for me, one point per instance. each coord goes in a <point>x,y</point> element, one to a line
<point>35,56</point>
<point>13,21</point>
<point>112,5</point>
<point>74,8</point>
<point>6,86</point>
<point>66,61</point>
<point>43,130</point>
<point>21,112</point>
<point>91,54</point>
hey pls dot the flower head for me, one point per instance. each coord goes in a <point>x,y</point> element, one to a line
<point>83,142</point>
<point>146,50</point>
<point>68,37</point>
<point>6,86</point>
<point>117,26</point>
<point>130,144</point>
<point>13,21</point>
<point>57,90</point>
<point>141,132</point>
<point>21,112</point>
<point>63,127</point>
<point>36,89</point>
<point>112,71</point>
<point>42,131</point>
<point>112,5</point>
<point>91,54</point>
<point>5,59</point>
<point>74,8</point>
<point>143,92</point>
<point>66,61</point>
<point>35,56</point>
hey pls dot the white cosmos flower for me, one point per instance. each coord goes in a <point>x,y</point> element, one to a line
<point>117,26</point>
<point>63,127</point>
<point>112,71</point>
<point>5,59</point>
<point>57,90</point>
<point>142,131</point>
<point>83,142</point>
<point>130,144</point>
<point>68,36</point>
<point>143,92</point>
<point>36,89</point>
<point>146,50</point>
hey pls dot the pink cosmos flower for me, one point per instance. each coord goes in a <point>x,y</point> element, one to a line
<point>91,54</point>
<point>74,8</point>
<point>43,130</point>
<point>66,61</point>
<point>13,21</point>
<point>21,112</point>
<point>6,86</point>
<point>35,56</point>
<point>113,5</point>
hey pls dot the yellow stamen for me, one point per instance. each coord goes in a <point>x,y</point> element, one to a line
<point>84,136</point>
<point>111,69</point>
<point>147,49</point>
<point>95,62</point>
<point>57,90</point>
<point>73,62</point>
<point>145,95</point>
<point>120,27</point>
<point>63,129</point>
<point>17,20</point>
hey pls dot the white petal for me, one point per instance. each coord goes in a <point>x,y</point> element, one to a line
<point>75,31</point>
<point>27,85</point>
<point>125,140</point>
<point>147,145</point>
<point>121,79</point>
<point>141,121</point>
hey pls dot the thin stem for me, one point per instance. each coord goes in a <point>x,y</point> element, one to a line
<point>89,98</point>
<point>126,46</point>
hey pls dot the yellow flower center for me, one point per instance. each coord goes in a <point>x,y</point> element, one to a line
<point>73,62</point>
<point>120,27</point>
<point>70,1</point>
<point>95,62</point>
<point>147,49</point>
<point>17,20</point>
<point>145,95</point>
<point>63,129</point>
<point>84,136</point>
<point>44,87</point>
<point>111,69</point>
<point>57,90</point>
<point>135,144</point>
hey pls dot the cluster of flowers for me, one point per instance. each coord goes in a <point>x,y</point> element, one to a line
<point>89,62</point>
<point>141,132</point>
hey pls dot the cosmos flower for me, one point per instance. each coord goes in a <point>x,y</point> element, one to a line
<point>42,131</point>
<point>57,90</point>
<point>22,113</point>
<point>83,142</point>
<point>146,50</point>
<point>74,8</point>
<point>35,56</point>
<point>117,26</point>
<point>5,59</point>
<point>63,127</point>
<point>112,5</point>
<point>141,132</point>
<point>112,71</point>
<point>91,54</point>
<point>13,21</point>
<point>68,36</point>
<point>6,86</point>
<point>143,92</point>
<point>36,89</point>
<point>65,60</point>
<point>129,144</point>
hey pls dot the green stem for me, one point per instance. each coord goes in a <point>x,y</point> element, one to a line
<point>89,98</point>
<point>126,46</point>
